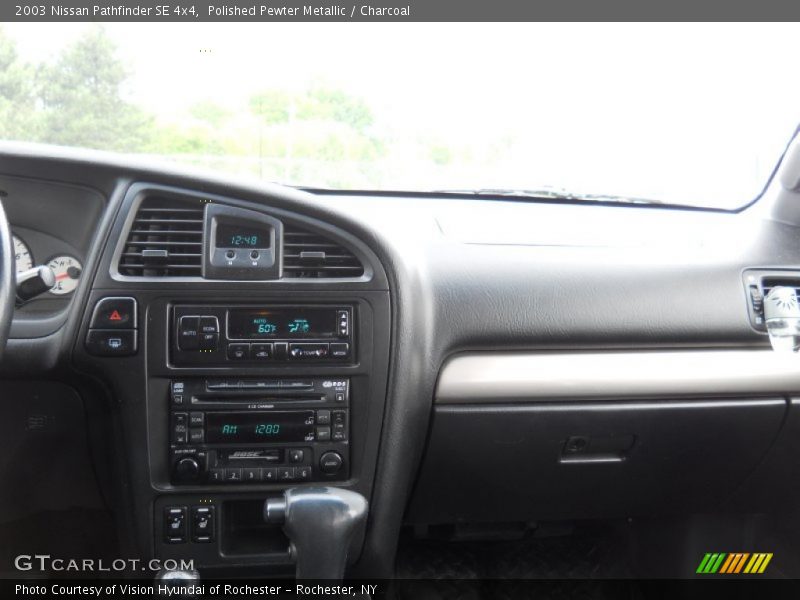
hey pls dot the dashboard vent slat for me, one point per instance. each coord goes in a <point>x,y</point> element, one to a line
<point>315,256</point>
<point>165,239</point>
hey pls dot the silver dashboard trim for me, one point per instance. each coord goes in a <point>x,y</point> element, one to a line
<point>498,377</point>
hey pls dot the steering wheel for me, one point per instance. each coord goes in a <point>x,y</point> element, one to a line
<point>8,280</point>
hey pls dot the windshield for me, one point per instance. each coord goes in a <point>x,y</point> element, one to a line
<point>680,114</point>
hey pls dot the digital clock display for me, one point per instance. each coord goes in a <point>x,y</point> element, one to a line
<point>282,323</point>
<point>267,427</point>
<point>238,236</point>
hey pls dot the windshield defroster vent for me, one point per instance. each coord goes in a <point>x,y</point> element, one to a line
<point>165,240</point>
<point>312,255</point>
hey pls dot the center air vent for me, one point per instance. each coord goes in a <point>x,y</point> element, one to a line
<point>165,240</point>
<point>313,255</point>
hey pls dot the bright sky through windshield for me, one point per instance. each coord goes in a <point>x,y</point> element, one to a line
<point>691,114</point>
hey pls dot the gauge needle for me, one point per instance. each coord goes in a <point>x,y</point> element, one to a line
<point>62,276</point>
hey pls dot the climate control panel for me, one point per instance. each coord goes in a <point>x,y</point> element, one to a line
<point>262,334</point>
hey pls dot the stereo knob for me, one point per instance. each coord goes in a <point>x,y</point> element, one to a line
<point>330,463</point>
<point>187,469</point>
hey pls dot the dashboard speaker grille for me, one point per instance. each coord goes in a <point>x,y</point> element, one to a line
<point>165,240</point>
<point>312,255</point>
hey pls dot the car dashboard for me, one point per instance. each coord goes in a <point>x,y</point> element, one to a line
<point>456,361</point>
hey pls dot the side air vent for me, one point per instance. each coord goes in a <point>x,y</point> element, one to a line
<point>165,240</point>
<point>313,255</point>
<point>768,285</point>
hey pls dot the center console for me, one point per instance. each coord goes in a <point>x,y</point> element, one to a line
<point>246,357</point>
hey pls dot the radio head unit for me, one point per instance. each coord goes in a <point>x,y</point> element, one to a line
<point>259,431</point>
<point>207,335</point>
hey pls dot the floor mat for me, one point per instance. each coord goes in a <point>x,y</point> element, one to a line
<point>588,553</point>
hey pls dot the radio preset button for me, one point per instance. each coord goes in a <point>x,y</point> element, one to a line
<point>233,475</point>
<point>261,351</point>
<point>270,474</point>
<point>303,473</point>
<point>238,351</point>
<point>216,475</point>
<point>286,473</point>
<point>250,474</point>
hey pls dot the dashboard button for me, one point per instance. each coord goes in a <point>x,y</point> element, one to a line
<point>188,333</point>
<point>330,463</point>
<point>114,313</point>
<point>308,351</point>
<point>339,433</point>
<point>303,473</point>
<point>286,473</point>
<point>233,475</point>
<point>111,342</point>
<point>323,434</point>
<point>175,524</point>
<point>250,474</point>
<point>260,351</point>
<point>295,456</point>
<point>324,417</point>
<point>270,473</point>
<point>280,350</point>
<point>238,351</point>
<point>216,475</point>
<point>340,350</point>
<point>202,523</point>
<point>209,341</point>
<point>208,325</point>
<point>196,435</point>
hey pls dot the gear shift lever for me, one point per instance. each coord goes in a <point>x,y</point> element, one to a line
<point>320,522</point>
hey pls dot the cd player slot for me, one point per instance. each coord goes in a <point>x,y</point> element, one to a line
<point>260,398</point>
<point>239,386</point>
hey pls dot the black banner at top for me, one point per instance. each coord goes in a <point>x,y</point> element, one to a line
<point>397,10</point>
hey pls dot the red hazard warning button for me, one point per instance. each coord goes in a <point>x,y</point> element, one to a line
<point>114,313</point>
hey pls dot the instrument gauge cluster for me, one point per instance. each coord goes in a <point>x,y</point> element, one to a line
<point>66,268</point>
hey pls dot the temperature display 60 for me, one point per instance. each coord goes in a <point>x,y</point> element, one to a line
<point>282,323</point>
